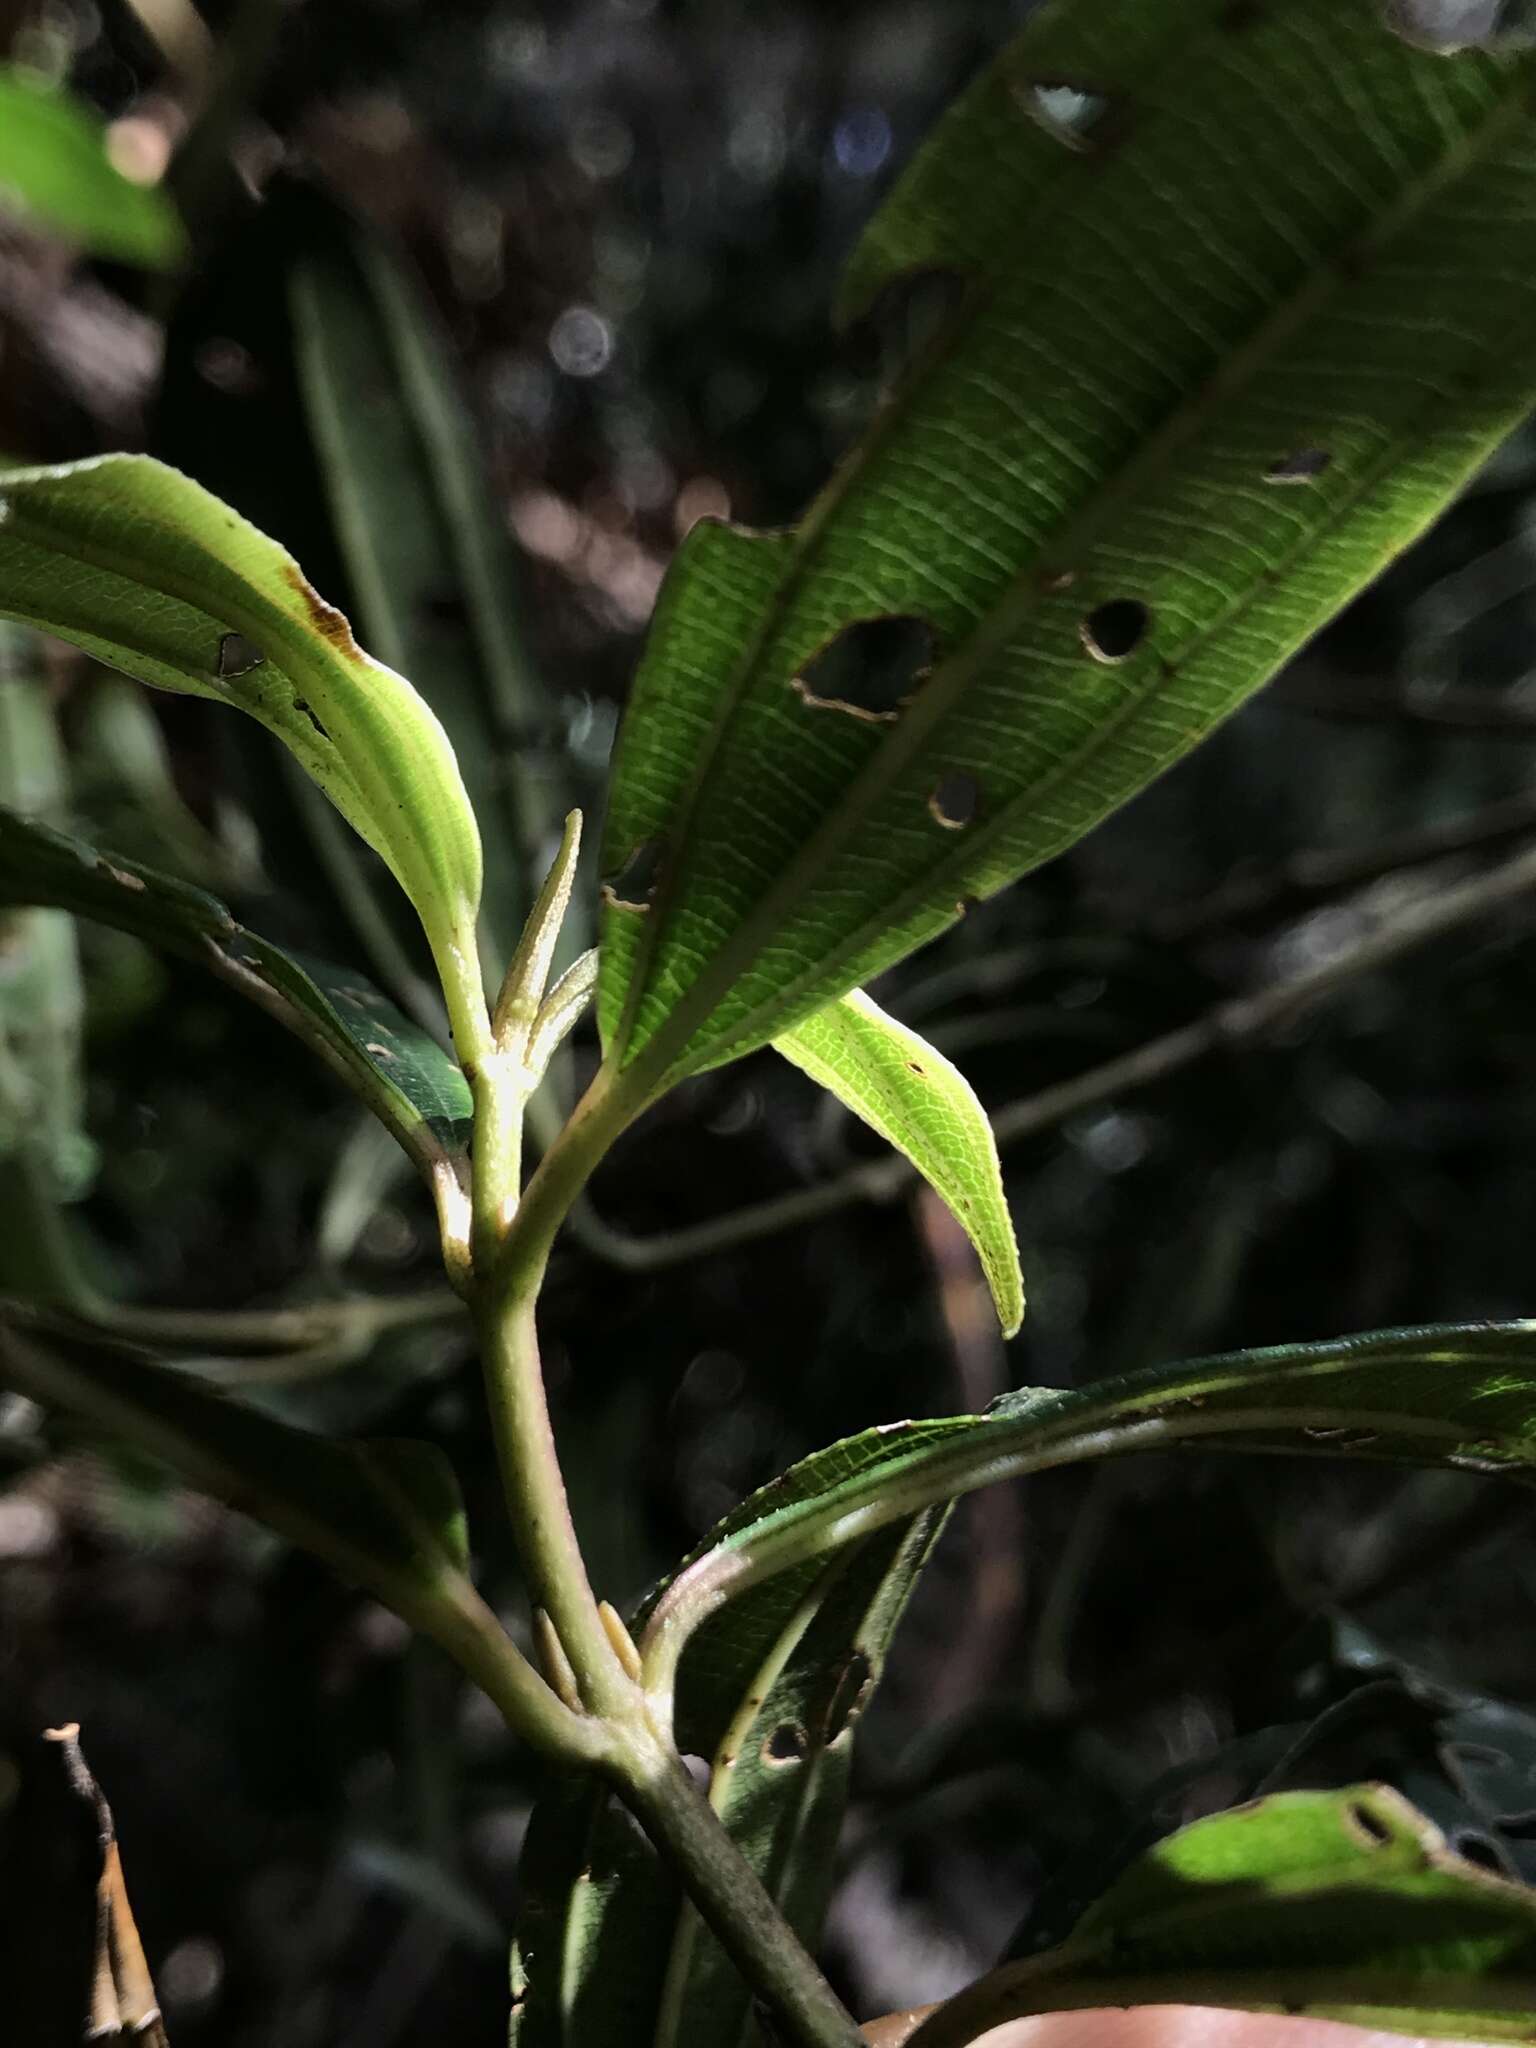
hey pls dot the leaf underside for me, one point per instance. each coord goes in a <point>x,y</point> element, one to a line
<point>387,1514</point>
<point>404,1076</point>
<point>919,1102</point>
<point>153,575</point>
<point>1241,295</point>
<point>1342,1905</point>
<point>608,1953</point>
<point>1463,1397</point>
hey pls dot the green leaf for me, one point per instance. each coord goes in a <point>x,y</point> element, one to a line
<point>1241,295</point>
<point>153,575</point>
<point>42,1002</point>
<point>608,1953</point>
<point>55,169</point>
<point>1341,1905</point>
<point>925,1107</point>
<point>386,1514</point>
<point>404,1076</point>
<point>425,548</point>
<point>1459,1396</point>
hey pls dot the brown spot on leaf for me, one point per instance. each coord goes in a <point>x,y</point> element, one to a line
<point>325,618</point>
<point>121,876</point>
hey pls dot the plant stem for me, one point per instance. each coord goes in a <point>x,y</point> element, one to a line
<point>537,1503</point>
<point>650,1777</point>
<point>731,1898</point>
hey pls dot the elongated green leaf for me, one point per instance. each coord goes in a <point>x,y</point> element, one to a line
<point>404,1076</point>
<point>388,1514</point>
<point>153,575</point>
<point>1462,1396</point>
<point>608,1953</point>
<point>926,1108</point>
<point>1342,1905</point>
<point>426,551</point>
<point>54,169</point>
<point>42,1003</point>
<point>1242,293</point>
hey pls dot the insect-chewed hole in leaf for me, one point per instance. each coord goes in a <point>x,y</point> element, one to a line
<point>1074,114</point>
<point>237,657</point>
<point>909,315</point>
<point>1480,1849</point>
<point>1447,25</point>
<point>855,1682</point>
<point>788,1744</point>
<point>1113,631</point>
<point>633,886</point>
<point>1301,466</point>
<point>301,704</point>
<point>870,669</point>
<point>1370,1827</point>
<point>954,800</point>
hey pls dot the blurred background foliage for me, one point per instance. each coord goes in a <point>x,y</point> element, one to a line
<point>628,216</point>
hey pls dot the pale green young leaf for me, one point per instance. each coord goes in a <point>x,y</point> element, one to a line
<point>404,1076</point>
<point>1458,1396</point>
<point>924,1106</point>
<point>153,575</point>
<point>1240,296</point>
<point>55,171</point>
<point>1344,1905</point>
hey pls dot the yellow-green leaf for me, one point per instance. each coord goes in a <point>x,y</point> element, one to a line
<point>152,574</point>
<point>926,1108</point>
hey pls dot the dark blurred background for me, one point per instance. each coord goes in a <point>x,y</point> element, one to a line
<point>629,215</point>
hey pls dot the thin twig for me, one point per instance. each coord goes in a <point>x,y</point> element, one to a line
<point>1237,1021</point>
<point>1317,873</point>
<point>1478,711</point>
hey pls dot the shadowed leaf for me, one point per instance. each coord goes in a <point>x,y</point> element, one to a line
<point>404,1076</point>
<point>1243,298</point>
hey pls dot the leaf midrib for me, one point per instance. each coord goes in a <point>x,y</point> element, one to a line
<point>1338,273</point>
<point>807,536</point>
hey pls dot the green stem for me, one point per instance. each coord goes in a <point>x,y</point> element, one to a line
<point>540,1511</point>
<point>731,1898</point>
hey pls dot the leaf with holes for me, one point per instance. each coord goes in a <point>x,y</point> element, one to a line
<point>1341,1905</point>
<point>153,575</point>
<point>424,546</point>
<point>608,1952</point>
<point>926,1108</point>
<point>387,1515</point>
<point>404,1076</point>
<point>55,170</point>
<point>1463,1397</point>
<point>1234,298</point>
